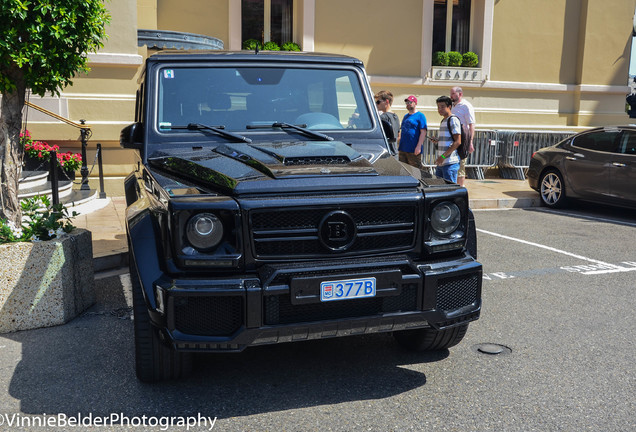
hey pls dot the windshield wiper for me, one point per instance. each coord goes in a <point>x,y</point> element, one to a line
<point>300,128</point>
<point>218,129</point>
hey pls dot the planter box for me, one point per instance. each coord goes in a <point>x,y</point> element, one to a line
<point>447,73</point>
<point>45,283</point>
<point>34,164</point>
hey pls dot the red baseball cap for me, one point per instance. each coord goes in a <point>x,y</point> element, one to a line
<point>411,99</point>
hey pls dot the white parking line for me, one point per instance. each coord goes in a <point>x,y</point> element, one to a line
<point>606,267</point>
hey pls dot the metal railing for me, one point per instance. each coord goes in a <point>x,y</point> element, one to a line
<point>85,134</point>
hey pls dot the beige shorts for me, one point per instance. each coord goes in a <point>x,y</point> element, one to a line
<point>462,168</point>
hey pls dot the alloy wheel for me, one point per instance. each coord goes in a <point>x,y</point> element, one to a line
<point>551,189</point>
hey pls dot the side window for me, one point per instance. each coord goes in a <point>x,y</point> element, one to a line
<point>628,143</point>
<point>316,96</point>
<point>605,141</point>
<point>348,112</point>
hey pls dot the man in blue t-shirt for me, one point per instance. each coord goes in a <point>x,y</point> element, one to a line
<point>448,141</point>
<point>412,134</point>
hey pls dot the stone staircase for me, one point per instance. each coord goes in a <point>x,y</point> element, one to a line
<point>34,183</point>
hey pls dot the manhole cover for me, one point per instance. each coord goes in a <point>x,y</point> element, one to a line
<point>491,349</point>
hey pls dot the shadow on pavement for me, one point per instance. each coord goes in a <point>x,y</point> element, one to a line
<point>87,367</point>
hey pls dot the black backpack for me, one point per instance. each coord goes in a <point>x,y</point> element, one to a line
<point>462,150</point>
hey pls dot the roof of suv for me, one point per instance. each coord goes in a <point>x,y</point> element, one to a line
<point>282,56</point>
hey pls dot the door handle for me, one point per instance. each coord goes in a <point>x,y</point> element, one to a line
<point>575,156</point>
<point>617,164</point>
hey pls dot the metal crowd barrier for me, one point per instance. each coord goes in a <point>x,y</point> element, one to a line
<point>485,154</point>
<point>520,145</point>
<point>428,152</point>
<point>486,143</point>
<point>510,151</point>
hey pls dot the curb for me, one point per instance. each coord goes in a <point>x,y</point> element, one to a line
<point>503,203</point>
<point>115,260</point>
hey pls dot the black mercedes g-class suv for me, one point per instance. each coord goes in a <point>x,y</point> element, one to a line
<point>267,207</point>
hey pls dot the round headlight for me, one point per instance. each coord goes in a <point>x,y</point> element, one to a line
<point>445,218</point>
<point>204,231</point>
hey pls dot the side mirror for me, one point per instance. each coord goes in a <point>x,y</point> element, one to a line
<point>132,137</point>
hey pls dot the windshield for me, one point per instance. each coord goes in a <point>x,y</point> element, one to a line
<point>240,98</point>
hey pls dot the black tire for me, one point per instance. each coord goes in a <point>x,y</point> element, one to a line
<point>552,189</point>
<point>154,361</point>
<point>428,339</point>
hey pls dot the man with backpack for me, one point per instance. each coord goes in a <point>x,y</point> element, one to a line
<point>448,141</point>
<point>466,113</point>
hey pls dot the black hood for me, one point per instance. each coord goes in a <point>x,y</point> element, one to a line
<point>284,167</point>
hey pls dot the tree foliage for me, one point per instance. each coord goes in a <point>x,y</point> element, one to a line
<point>47,40</point>
<point>43,45</point>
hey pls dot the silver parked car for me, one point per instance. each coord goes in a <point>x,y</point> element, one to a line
<point>597,165</point>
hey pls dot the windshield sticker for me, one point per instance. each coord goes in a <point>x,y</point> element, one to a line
<point>168,73</point>
<point>165,125</point>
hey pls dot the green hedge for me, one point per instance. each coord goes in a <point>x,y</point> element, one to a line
<point>290,46</point>
<point>440,58</point>
<point>470,59</point>
<point>455,59</point>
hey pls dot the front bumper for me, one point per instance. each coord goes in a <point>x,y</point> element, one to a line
<point>282,304</point>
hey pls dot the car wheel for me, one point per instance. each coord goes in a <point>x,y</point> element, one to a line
<point>428,339</point>
<point>552,190</point>
<point>154,361</point>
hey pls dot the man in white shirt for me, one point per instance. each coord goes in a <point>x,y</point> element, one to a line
<point>466,113</point>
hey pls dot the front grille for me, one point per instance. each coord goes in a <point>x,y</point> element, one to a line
<point>298,233</point>
<point>279,310</point>
<point>208,316</point>
<point>454,293</point>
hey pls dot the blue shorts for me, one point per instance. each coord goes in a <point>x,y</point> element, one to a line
<point>448,172</point>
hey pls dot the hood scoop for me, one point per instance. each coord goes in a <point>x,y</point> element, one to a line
<point>317,160</point>
<point>287,158</point>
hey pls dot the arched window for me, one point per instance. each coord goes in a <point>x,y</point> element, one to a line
<point>267,20</point>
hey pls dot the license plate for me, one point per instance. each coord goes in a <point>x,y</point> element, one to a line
<point>347,289</point>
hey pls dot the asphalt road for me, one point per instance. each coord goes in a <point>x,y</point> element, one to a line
<point>558,302</point>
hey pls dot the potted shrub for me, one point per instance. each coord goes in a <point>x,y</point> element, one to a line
<point>37,154</point>
<point>46,268</point>
<point>251,44</point>
<point>454,59</point>
<point>271,46</point>
<point>440,58</point>
<point>68,163</point>
<point>290,46</point>
<point>37,157</point>
<point>470,59</point>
